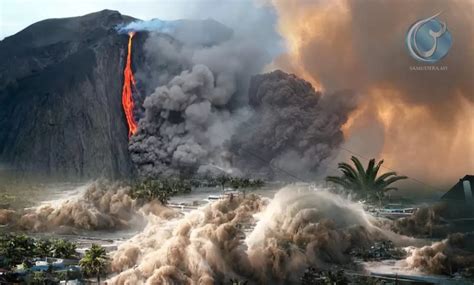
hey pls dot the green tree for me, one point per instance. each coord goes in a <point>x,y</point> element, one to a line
<point>63,249</point>
<point>38,278</point>
<point>43,248</point>
<point>161,190</point>
<point>365,181</point>
<point>223,180</point>
<point>16,248</point>
<point>94,262</point>
<point>63,276</point>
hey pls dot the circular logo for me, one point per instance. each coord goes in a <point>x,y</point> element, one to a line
<point>428,40</point>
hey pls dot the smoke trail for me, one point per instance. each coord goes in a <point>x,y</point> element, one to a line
<point>154,25</point>
<point>190,32</point>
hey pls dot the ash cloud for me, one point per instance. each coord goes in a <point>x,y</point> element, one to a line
<point>335,44</point>
<point>196,80</point>
<point>195,118</point>
<point>294,128</point>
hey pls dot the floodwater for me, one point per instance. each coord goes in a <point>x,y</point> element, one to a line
<point>31,195</point>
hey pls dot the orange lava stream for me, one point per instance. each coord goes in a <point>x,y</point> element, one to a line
<point>127,99</point>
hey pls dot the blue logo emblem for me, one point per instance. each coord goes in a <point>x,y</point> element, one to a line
<point>428,40</point>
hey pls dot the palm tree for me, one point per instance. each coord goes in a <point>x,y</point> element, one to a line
<point>160,190</point>
<point>94,262</point>
<point>365,181</point>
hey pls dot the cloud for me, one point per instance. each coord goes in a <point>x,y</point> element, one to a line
<point>361,45</point>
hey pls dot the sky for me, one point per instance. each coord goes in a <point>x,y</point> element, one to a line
<point>16,15</point>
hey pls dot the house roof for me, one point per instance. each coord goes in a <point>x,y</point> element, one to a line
<point>461,191</point>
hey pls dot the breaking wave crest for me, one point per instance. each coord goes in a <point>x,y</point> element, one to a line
<point>100,205</point>
<point>253,238</point>
<point>453,254</point>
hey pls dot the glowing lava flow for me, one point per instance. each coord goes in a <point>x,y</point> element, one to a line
<point>127,99</point>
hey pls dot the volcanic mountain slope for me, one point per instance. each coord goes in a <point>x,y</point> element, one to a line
<point>60,91</point>
<point>60,98</point>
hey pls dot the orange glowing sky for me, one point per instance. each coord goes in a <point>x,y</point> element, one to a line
<point>427,118</point>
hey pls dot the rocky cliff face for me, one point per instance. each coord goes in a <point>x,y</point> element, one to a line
<point>60,98</point>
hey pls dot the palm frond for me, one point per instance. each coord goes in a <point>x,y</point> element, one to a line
<point>390,189</point>
<point>359,167</point>
<point>375,171</point>
<point>370,167</point>
<point>391,180</point>
<point>384,176</point>
<point>362,177</point>
<point>339,180</point>
<point>347,169</point>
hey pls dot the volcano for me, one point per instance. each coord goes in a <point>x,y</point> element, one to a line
<point>72,92</point>
<point>60,92</point>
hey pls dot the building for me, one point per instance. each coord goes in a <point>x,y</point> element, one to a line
<point>463,191</point>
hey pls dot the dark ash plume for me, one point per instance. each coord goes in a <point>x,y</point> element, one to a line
<point>199,123</point>
<point>293,127</point>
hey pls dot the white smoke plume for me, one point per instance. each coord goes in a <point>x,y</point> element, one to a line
<point>251,238</point>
